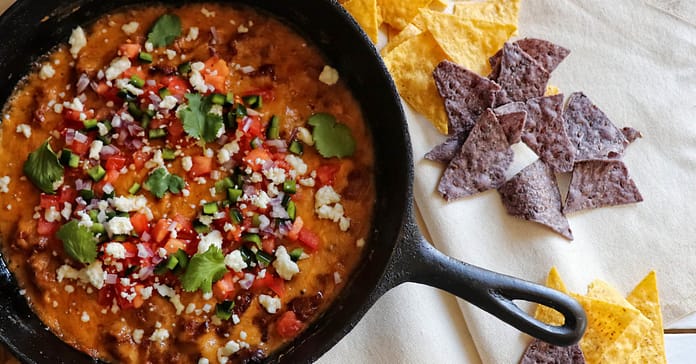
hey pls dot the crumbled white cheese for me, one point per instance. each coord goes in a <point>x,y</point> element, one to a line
<point>5,184</point>
<point>235,261</point>
<point>333,213</point>
<point>298,165</point>
<point>95,148</point>
<point>77,41</point>
<point>325,195</point>
<point>75,105</point>
<point>213,238</point>
<point>271,304</point>
<point>284,265</point>
<point>84,317</point>
<point>125,84</point>
<point>196,78</point>
<point>344,223</point>
<point>227,151</point>
<point>119,226</point>
<point>204,360</point>
<point>128,203</point>
<point>115,250</point>
<point>92,274</point>
<point>52,215</point>
<point>242,29</point>
<point>275,175</point>
<point>305,136</point>
<point>261,200</point>
<point>149,46</point>
<point>159,335</point>
<point>192,34</point>
<point>146,292</point>
<point>66,211</point>
<point>103,130</point>
<point>170,53</point>
<point>169,102</point>
<point>360,243</point>
<point>130,28</point>
<point>207,13</point>
<point>174,298</point>
<point>186,163</point>
<point>117,67</point>
<point>157,161</point>
<point>337,278</point>
<point>307,182</point>
<point>138,335</point>
<point>46,72</point>
<point>328,75</point>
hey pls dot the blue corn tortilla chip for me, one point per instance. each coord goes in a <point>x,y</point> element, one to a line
<point>532,194</point>
<point>590,131</point>
<point>540,352</point>
<point>544,132</point>
<point>600,183</point>
<point>631,134</point>
<point>512,118</point>
<point>548,54</point>
<point>447,150</point>
<point>481,162</point>
<point>520,76</point>
<point>466,95</point>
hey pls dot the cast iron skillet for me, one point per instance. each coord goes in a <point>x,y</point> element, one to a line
<point>396,251</point>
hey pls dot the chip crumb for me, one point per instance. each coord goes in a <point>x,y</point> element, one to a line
<point>329,75</point>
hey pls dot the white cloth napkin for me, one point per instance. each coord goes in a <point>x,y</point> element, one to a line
<point>638,64</point>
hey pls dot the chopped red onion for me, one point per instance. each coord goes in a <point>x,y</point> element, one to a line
<point>284,227</point>
<point>82,184</point>
<point>80,138</point>
<point>108,151</point>
<point>82,83</point>
<point>145,237</point>
<point>279,144</point>
<point>146,271</point>
<point>69,136</point>
<point>151,83</point>
<point>154,98</point>
<point>246,123</point>
<point>134,129</point>
<point>249,190</point>
<point>116,121</point>
<point>264,222</point>
<point>144,251</point>
<point>110,278</point>
<point>134,144</point>
<point>279,212</point>
<point>253,230</point>
<point>94,86</point>
<point>247,281</point>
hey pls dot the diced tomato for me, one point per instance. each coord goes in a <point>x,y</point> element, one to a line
<point>308,239</point>
<point>173,245</point>
<point>139,222</point>
<point>254,129</point>
<point>139,159</point>
<point>111,176</point>
<point>326,173</point>
<point>115,162</point>
<point>177,86</point>
<point>294,232</point>
<point>131,249</point>
<point>130,50</point>
<point>49,200</point>
<point>275,283</point>
<point>80,148</point>
<point>126,291</point>
<point>138,299</point>
<point>183,223</point>
<point>216,72</point>
<point>268,244</point>
<point>176,129</point>
<point>46,228</point>
<point>71,115</point>
<point>288,325</point>
<point>224,288</point>
<point>161,230</point>
<point>67,194</point>
<point>134,71</point>
<point>201,166</point>
<point>257,158</point>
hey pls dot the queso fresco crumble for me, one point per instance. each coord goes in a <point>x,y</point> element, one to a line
<point>191,185</point>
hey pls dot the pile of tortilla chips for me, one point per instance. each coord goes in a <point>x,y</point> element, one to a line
<point>619,330</point>
<point>421,35</point>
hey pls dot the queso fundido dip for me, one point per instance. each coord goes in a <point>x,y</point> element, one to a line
<point>185,184</point>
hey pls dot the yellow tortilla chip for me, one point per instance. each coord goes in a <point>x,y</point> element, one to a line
<point>602,290</point>
<point>467,42</point>
<point>611,330</point>
<point>400,13</point>
<point>411,64</point>
<point>495,11</point>
<point>551,90</point>
<point>438,5</point>
<point>365,13</point>
<point>409,32</point>
<point>646,299</point>
<point>547,314</point>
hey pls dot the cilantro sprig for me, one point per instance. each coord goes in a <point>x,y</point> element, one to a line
<point>160,181</point>
<point>199,121</point>
<point>331,138</point>
<point>166,29</point>
<point>203,270</point>
<point>44,169</point>
<point>78,242</point>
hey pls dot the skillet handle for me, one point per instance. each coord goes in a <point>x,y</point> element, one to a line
<point>490,291</point>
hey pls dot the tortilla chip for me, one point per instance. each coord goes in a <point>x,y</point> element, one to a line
<point>547,314</point>
<point>532,194</point>
<point>467,42</point>
<point>466,95</point>
<point>513,124</point>
<point>540,352</point>
<point>407,33</point>
<point>411,65</point>
<point>646,299</point>
<point>495,11</point>
<point>366,14</point>
<point>600,183</point>
<point>602,290</point>
<point>447,150</point>
<point>591,132</point>
<point>520,76</point>
<point>481,163</point>
<point>611,330</point>
<point>551,90</point>
<point>545,133</point>
<point>549,55</point>
<point>438,5</point>
<point>400,13</point>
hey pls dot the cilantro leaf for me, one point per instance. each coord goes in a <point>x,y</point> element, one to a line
<point>332,138</point>
<point>78,242</point>
<point>198,120</point>
<point>166,29</point>
<point>160,181</point>
<point>203,270</point>
<point>43,168</point>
